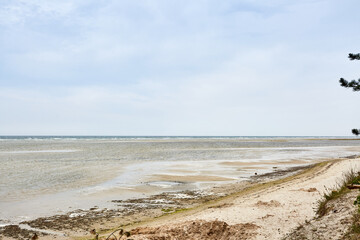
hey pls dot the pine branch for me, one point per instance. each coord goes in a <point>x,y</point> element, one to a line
<point>353,56</point>
<point>355,131</point>
<point>355,85</point>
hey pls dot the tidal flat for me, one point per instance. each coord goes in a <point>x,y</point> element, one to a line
<point>86,180</point>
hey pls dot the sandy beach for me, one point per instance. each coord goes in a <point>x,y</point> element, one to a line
<point>267,211</point>
<point>268,207</point>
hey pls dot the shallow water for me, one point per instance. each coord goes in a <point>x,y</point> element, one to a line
<point>45,176</point>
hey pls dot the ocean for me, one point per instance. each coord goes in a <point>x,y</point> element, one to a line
<point>47,175</point>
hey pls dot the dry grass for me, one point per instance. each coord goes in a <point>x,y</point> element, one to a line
<point>351,177</point>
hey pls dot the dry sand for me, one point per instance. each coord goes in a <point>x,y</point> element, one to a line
<point>271,209</point>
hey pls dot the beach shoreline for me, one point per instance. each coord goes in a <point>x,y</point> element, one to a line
<point>42,177</point>
<point>139,212</point>
<point>76,223</point>
<point>194,173</point>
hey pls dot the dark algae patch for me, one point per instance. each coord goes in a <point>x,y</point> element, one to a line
<point>16,232</point>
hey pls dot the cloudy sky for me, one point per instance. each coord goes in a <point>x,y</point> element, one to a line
<point>178,67</point>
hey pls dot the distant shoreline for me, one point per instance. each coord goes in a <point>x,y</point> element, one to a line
<point>164,136</point>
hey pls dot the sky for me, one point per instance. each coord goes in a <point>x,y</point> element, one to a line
<point>167,67</point>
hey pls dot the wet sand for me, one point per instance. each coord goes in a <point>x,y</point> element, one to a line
<point>272,163</point>
<point>189,178</point>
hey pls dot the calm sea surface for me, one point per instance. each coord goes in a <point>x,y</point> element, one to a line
<point>42,176</point>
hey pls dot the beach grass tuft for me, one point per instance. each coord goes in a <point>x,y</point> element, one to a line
<point>351,177</point>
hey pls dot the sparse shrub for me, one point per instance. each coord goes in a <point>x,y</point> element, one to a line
<point>352,177</point>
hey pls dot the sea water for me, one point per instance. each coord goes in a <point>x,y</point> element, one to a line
<point>42,176</point>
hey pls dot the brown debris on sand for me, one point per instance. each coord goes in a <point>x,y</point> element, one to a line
<point>224,205</point>
<point>272,203</point>
<point>201,230</point>
<point>308,190</point>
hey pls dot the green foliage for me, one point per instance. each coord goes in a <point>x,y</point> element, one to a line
<point>354,84</point>
<point>322,209</point>
<point>181,210</point>
<point>353,56</point>
<point>357,201</point>
<point>166,210</point>
<point>356,180</point>
<point>322,205</point>
<point>176,210</point>
<point>355,131</point>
